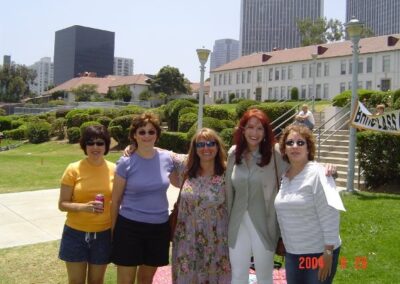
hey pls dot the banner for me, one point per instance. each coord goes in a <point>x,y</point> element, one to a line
<point>388,122</point>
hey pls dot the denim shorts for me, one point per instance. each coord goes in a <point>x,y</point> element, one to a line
<point>79,246</point>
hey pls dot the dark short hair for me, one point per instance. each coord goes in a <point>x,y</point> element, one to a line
<point>141,121</point>
<point>305,132</point>
<point>95,132</point>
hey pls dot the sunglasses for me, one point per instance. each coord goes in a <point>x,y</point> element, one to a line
<point>299,143</point>
<point>143,132</point>
<point>204,144</point>
<point>97,143</point>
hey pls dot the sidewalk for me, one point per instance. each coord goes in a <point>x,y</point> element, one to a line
<point>33,216</point>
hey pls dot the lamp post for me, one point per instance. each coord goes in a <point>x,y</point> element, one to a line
<point>202,53</point>
<point>314,91</point>
<point>353,29</point>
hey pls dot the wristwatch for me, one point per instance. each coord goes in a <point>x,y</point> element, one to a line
<point>328,251</point>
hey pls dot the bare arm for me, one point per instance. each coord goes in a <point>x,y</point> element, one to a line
<point>65,203</point>
<point>117,192</point>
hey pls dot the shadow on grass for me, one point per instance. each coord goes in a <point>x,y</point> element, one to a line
<point>360,195</point>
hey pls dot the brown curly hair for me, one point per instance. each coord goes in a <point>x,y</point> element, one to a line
<point>305,132</point>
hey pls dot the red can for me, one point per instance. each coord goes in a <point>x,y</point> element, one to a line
<point>100,197</point>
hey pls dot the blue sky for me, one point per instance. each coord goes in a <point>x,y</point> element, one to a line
<point>154,33</point>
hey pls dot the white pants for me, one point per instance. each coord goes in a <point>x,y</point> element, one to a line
<point>248,244</point>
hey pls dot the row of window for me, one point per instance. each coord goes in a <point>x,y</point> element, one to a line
<point>307,71</point>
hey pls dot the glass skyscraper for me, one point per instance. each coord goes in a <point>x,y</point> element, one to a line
<point>224,51</point>
<point>269,24</point>
<point>382,16</point>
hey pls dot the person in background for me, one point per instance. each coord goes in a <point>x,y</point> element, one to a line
<point>305,117</point>
<point>139,210</point>
<point>307,208</point>
<point>200,244</point>
<point>380,109</point>
<point>86,239</point>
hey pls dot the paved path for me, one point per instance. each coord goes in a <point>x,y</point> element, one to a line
<point>33,216</point>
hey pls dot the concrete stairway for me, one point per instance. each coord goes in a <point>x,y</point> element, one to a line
<point>335,151</point>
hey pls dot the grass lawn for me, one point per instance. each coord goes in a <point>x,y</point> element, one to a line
<point>370,252</point>
<point>32,167</point>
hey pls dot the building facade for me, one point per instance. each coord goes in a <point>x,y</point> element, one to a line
<point>80,49</point>
<point>269,24</point>
<point>44,75</point>
<point>272,75</point>
<point>380,16</point>
<point>123,66</point>
<point>224,51</point>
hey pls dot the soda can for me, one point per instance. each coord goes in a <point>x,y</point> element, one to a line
<point>100,197</point>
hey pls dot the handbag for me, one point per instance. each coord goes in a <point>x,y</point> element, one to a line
<point>173,217</point>
<point>280,246</point>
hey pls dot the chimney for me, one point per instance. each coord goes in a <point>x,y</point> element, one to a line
<point>391,40</point>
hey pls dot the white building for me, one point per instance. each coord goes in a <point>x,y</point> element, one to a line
<point>45,75</point>
<point>123,66</point>
<point>271,75</point>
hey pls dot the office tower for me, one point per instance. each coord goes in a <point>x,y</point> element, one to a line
<point>224,51</point>
<point>380,16</point>
<point>123,66</point>
<point>80,49</point>
<point>269,24</point>
<point>6,60</point>
<point>44,75</point>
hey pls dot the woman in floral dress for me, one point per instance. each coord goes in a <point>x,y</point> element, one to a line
<point>200,251</point>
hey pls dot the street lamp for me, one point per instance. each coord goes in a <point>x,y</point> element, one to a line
<point>353,28</point>
<point>202,53</point>
<point>314,92</point>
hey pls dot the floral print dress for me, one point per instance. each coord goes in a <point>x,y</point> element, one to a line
<point>200,251</point>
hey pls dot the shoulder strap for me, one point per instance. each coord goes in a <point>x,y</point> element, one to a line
<point>180,190</point>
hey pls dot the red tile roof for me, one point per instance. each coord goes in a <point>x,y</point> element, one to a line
<point>335,49</point>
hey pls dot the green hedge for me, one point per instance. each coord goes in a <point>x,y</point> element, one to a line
<point>74,134</point>
<point>216,112</point>
<point>370,97</point>
<point>58,128</point>
<point>172,112</point>
<point>274,111</point>
<point>186,121</point>
<point>119,129</point>
<point>243,105</point>
<point>227,137</point>
<point>88,123</point>
<point>76,117</point>
<point>38,132</point>
<point>186,110</point>
<point>16,134</point>
<point>379,157</point>
<point>209,122</point>
<point>5,123</point>
<point>174,141</point>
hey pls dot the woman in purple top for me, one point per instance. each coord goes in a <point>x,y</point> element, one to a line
<point>139,211</point>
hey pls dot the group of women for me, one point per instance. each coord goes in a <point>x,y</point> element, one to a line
<point>228,211</point>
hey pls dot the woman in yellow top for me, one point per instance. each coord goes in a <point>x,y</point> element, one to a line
<point>86,240</point>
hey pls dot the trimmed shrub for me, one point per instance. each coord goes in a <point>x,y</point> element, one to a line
<point>130,110</point>
<point>186,121</point>
<point>74,134</point>
<point>17,123</point>
<point>396,105</point>
<point>121,134</point>
<point>58,128</point>
<point>174,141</point>
<point>16,134</point>
<point>76,117</point>
<point>209,122</point>
<point>294,94</point>
<point>216,112</point>
<point>111,112</point>
<point>104,120</point>
<point>88,123</point>
<point>38,132</point>
<point>380,164</point>
<point>242,106</point>
<point>172,112</point>
<point>228,123</point>
<point>62,112</point>
<point>2,111</point>
<point>342,99</point>
<point>396,96</point>
<point>5,123</point>
<point>187,110</point>
<point>231,97</point>
<point>227,137</point>
<point>94,111</point>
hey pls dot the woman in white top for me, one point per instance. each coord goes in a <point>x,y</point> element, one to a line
<point>307,209</point>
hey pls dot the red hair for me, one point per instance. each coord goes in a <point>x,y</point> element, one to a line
<point>265,144</point>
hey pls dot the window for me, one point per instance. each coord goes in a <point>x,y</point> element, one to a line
<point>224,78</point>
<point>282,92</point>
<point>303,71</point>
<point>242,94</point>
<point>229,78</point>
<point>276,74</point>
<point>289,88</point>
<point>350,86</point>
<point>310,70</point>
<point>350,67</point>
<point>368,85</point>
<point>243,77</point>
<point>270,74</point>
<point>276,93</point>
<point>259,75</point>
<point>220,79</point>
<point>310,91</point>
<point>215,95</point>
<point>248,94</point>
<point>215,79</point>
<point>290,72</point>
<point>386,63</point>
<point>342,87</point>
<point>359,85</point>
<point>318,91</point>
<point>360,67</point>
<point>248,76</point>
<point>283,73</point>
<point>319,67</point>
<point>269,93</point>
<point>258,94</point>
<point>237,77</point>
<point>343,67</point>
<point>326,90</point>
<point>303,91</point>
<point>369,64</point>
<point>326,68</point>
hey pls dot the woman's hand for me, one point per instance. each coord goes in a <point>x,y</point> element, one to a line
<point>129,150</point>
<point>330,170</point>
<point>94,207</point>
<point>325,268</point>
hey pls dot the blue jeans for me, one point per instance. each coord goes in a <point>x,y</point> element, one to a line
<point>303,268</point>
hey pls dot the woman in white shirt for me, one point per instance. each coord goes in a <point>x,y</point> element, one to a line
<point>307,208</point>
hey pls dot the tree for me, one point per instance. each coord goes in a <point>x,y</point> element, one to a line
<point>169,81</point>
<point>320,31</point>
<point>144,95</point>
<point>367,32</point>
<point>14,82</point>
<point>84,92</point>
<point>335,30</point>
<point>123,93</point>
